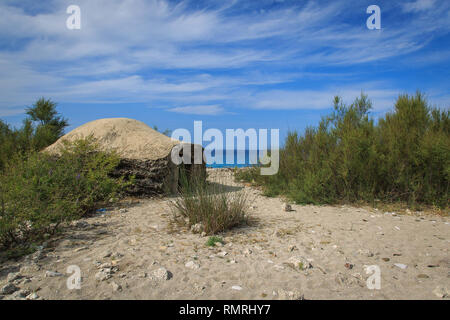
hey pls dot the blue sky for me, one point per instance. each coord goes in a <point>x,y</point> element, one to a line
<point>231,64</point>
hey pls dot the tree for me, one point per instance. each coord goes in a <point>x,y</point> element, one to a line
<point>50,125</point>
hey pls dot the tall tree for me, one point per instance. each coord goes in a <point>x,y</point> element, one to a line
<point>50,125</point>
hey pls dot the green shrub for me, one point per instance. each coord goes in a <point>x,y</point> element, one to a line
<point>348,157</point>
<point>39,192</point>
<point>213,240</point>
<point>211,205</point>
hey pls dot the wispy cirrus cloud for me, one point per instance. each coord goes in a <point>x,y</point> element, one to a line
<point>211,110</point>
<point>223,54</point>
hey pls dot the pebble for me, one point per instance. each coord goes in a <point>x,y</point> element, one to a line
<point>116,287</point>
<point>401,265</point>
<point>299,262</point>
<point>8,289</point>
<point>239,288</point>
<point>13,276</point>
<point>192,265</point>
<point>162,274</point>
<point>52,274</point>
<point>32,296</point>
<point>441,292</point>
<point>103,275</point>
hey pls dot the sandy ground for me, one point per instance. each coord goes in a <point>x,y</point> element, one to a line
<point>118,253</point>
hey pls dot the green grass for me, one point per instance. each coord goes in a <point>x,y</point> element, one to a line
<point>211,205</point>
<point>213,240</point>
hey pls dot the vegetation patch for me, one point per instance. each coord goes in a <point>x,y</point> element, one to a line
<point>348,157</point>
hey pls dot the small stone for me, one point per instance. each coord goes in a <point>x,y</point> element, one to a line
<point>422,276</point>
<point>385,259</point>
<point>222,253</point>
<point>441,292</point>
<point>197,228</point>
<point>203,234</point>
<point>162,274</point>
<point>349,266</point>
<point>116,287</point>
<point>102,276</point>
<point>192,265</point>
<point>32,296</point>
<point>13,276</point>
<point>8,289</point>
<point>23,293</point>
<point>123,210</point>
<point>290,295</point>
<point>401,265</point>
<point>299,263</point>
<point>218,244</point>
<point>248,251</point>
<point>292,248</point>
<point>239,288</point>
<point>52,274</point>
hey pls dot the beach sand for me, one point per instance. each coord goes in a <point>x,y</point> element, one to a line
<point>136,253</point>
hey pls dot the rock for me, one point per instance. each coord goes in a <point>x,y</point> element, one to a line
<point>218,244</point>
<point>203,234</point>
<point>13,276</point>
<point>346,280</point>
<point>52,274</point>
<point>103,275</point>
<point>299,262</point>
<point>401,265</point>
<point>422,276</point>
<point>192,265</point>
<point>8,289</point>
<point>222,254</point>
<point>107,254</point>
<point>248,251</point>
<point>385,259</point>
<point>197,228</point>
<point>123,210</point>
<point>287,207</point>
<point>239,288</point>
<point>80,224</point>
<point>162,274</point>
<point>292,248</point>
<point>29,269</point>
<point>22,293</point>
<point>32,296</point>
<point>349,266</point>
<point>116,287</point>
<point>290,295</point>
<point>441,292</point>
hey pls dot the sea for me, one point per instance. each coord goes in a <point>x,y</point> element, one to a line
<point>234,162</point>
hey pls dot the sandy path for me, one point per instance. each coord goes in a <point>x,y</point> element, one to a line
<point>132,245</point>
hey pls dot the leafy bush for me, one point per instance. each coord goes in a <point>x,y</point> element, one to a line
<point>348,157</point>
<point>41,128</point>
<point>210,205</point>
<point>213,240</point>
<point>39,192</point>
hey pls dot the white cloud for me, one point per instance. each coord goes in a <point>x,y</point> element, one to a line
<point>199,110</point>
<point>418,5</point>
<point>153,51</point>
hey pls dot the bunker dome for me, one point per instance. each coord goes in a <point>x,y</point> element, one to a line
<point>144,153</point>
